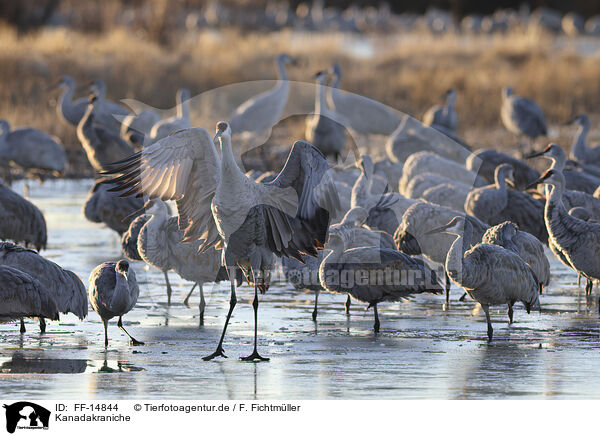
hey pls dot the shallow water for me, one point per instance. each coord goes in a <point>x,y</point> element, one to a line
<point>423,351</point>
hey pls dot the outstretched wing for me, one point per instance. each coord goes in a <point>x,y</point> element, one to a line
<point>183,167</point>
<point>306,172</point>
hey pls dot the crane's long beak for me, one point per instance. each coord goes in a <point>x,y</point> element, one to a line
<point>571,122</point>
<point>511,183</point>
<point>437,230</point>
<point>536,154</point>
<point>535,183</point>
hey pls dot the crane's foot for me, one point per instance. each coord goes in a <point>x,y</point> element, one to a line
<point>463,296</point>
<point>186,302</point>
<point>255,357</point>
<point>218,353</point>
<point>314,315</point>
<point>490,333</point>
<point>134,342</point>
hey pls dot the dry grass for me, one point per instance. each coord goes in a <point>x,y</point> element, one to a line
<point>408,72</point>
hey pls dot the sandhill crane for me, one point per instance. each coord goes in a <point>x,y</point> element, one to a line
<point>136,127</point>
<point>369,187</point>
<point>68,109</point>
<point>129,239</point>
<point>260,113</point>
<point>575,239</point>
<point>452,195</point>
<point>113,292</point>
<point>175,123</point>
<point>494,204</point>
<point>160,245</point>
<point>420,183</point>
<point>101,145</point>
<point>576,180</point>
<point>485,161</point>
<point>413,236</point>
<point>580,151</point>
<point>522,116</point>
<point>217,202</point>
<point>62,285</point>
<point>104,206</point>
<point>373,275</point>
<point>527,246</point>
<point>428,162</point>
<point>571,198</point>
<point>106,112</point>
<point>387,213</point>
<point>490,274</point>
<point>322,130</point>
<point>443,115</point>
<point>32,150</point>
<point>357,234</point>
<point>20,220</point>
<point>364,115</point>
<point>22,296</point>
<point>390,171</point>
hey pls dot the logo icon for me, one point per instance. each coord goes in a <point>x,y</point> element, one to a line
<point>26,415</point>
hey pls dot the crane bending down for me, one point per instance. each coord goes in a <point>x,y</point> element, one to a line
<point>217,202</point>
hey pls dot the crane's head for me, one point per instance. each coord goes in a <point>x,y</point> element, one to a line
<point>98,87</point>
<point>580,120</point>
<point>222,129</point>
<point>64,81</point>
<point>336,70</point>
<point>450,95</point>
<point>320,75</point>
<point>580,213</point>
<point>122,267</point>
<point>183,94</point>
<point>356,216</point>
<point>365,164</point>
<point>285,59</point>
<point>551,151</point>
<point>4,126</point>
<point>507,91</point>
<point>335,241</point>
<point>550,177</point>
<point>454,227</point>
<point>505,172</point>
<point>156,207</point>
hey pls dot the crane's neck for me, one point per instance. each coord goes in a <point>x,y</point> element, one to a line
<point>580,148</point>
<point>183,109</point>
<point>230,171</point>
<point>320,97</point>
<point>456,255</point>
<point>282,72</point>
<point>120,294</point>
<point>66,98</point>
<point>337,250</point>
<point>86,127</point>
<point>500,182</point>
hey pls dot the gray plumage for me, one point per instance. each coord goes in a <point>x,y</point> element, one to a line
<point>452,195</point>
<point>443,115</point>
<point>180,121</point>
<point>387,213</point>
<point>576,179</point>
<point>522,116</point>
<point>218,203</point>
<point>581,151</point>
<point>527,246</point>
<point>491,274</point>
<point>113,292</point>
<point>32,150</point>
<point>356,233</point>
<point>354,271</point>
<point>65,288</point>
<point>102,146</point>
<point>420,183</point>
<point>129,239</point>
<point>428,162</point>
<point>20,220</point>
<point>107,114</point>
<point>485,161</point>
<point>322,130</point>
<point>368,188</point>
<point>390,171</point>
<point>71,111</point>
<point>103,206</point>
<point>362,114</point>
<point>413,236</point>
<point>263,111</point>
<point>136,127</point>
<point>494,204</point>
<point>575,239</point>
<point>22,296</point>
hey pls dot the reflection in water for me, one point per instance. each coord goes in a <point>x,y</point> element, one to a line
<point>19,364</point>
<point>118,366</point>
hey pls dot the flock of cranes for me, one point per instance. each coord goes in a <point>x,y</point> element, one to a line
<point>428,214</point>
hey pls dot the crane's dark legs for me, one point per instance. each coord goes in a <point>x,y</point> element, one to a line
<point>255,356</point>
<point>169,290</point>
<point>578,279</point>
<point>463,296</point>
<point>588,287</point>
<point>314,313</point>
<point>376,325</point>
<point>42,325</point>
<point>541,288</point>
<point>490,331</point>
<point>447,288</point>
<point>510,313</point>
<point>105,323</point>
<point>232,303</point>
<point>132,340</point>
<point>202,304</point>
<point>22,326</point>
<point>186,301</point>
<point>347,305</point>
